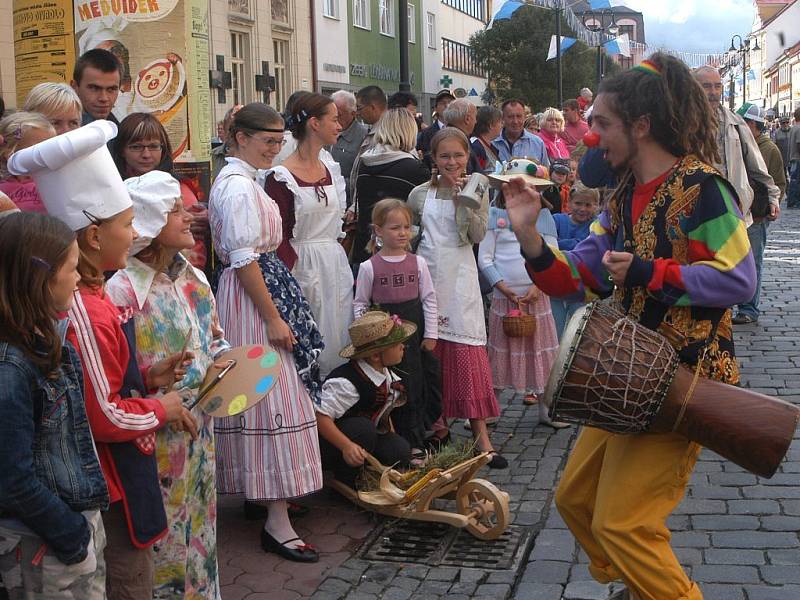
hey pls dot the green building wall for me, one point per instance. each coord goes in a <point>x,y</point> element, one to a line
<point>375,58</point>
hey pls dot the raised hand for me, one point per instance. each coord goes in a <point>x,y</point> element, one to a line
<point>523,204</point>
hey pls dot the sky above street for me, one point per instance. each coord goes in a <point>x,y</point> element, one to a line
<point>694,25</point>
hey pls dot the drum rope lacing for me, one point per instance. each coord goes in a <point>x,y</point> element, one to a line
<point>690,391</point>
<point>611,379</point>
<point>618,329</point>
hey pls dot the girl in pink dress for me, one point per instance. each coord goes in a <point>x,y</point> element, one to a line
<point>399,282</point>
<point>17,131</point>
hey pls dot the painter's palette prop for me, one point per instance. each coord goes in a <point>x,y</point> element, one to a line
<point>238,380</point>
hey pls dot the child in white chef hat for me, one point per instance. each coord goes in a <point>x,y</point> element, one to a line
<point>175,311</point>
<point>79,184</point>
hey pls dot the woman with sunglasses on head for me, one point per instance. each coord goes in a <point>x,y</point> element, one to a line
<point>141,146</point>
<point>270,452</point>
<point>311,195</point>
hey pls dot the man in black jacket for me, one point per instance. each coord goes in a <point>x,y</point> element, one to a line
<point>443,99</point>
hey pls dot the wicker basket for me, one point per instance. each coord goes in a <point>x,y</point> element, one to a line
<point>522,326</point>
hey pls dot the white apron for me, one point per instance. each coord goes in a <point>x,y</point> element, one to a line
<point>322,269</point>
<point>454,273</point>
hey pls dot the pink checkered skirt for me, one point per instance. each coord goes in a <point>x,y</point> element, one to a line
<point>467,391</point>
<point>522,363</point>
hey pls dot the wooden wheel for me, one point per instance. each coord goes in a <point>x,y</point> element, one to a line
<point>485,506</point>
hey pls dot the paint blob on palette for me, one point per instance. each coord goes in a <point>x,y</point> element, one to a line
<point>251,378</point>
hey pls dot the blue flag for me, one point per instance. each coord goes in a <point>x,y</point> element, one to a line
<point>503,9</point>
<point>566,44</point>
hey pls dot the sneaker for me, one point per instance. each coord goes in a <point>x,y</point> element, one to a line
<point>618,592</point>
<point>743,319</point>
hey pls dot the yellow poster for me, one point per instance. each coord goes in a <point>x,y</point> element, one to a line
<point>44,48</point>
<point>197,79</point>
<point>149,38</point>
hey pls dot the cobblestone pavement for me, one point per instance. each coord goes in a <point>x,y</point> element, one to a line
<point>737,534</point>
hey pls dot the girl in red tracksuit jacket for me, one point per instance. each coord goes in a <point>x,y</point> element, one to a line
<point>122,421</point>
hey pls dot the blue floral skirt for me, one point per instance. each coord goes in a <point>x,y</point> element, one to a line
<point>294,309</point>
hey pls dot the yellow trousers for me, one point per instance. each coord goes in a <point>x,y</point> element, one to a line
<point>615,495</point>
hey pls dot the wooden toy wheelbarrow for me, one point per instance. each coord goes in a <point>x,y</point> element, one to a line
<point>482,507</point>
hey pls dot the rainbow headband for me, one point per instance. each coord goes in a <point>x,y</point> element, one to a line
<point>648,67</point>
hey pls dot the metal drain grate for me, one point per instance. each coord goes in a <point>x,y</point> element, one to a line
<point>409,541</point>
<point>468,551</point>
<point>435,544</point>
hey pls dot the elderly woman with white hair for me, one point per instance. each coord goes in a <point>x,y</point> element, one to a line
<point>59,104</point>
<point>388,169</point>
<point>551,126</point>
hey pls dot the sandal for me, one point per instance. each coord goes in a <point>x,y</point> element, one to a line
<point>530,399</point>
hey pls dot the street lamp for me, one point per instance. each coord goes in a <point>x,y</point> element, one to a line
<point>743,50</point>
<point>600,22</point>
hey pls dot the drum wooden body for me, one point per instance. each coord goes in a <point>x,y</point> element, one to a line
<point>617,375</point>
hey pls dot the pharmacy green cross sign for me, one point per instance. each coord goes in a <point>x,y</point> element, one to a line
<point>446,81</point>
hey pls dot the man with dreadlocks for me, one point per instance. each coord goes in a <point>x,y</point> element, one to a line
<point>673,249</point>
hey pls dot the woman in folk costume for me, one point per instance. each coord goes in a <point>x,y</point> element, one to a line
<point>174,308</point>
<point>79,184</point>
<point>270,452</point>
<point>312,200</point>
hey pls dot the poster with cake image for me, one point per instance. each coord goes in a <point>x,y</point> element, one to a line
<point>149,39</point>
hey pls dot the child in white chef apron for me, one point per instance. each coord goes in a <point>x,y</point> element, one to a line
<point>449,231</point>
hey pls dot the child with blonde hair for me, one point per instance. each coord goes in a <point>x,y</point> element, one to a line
<point>17,131</point>
<point>399,282</point>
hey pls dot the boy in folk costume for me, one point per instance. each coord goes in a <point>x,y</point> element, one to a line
<point>353,417</point>
<point>673,249</point>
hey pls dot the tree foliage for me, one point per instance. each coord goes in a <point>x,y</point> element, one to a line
<point>514,53</point>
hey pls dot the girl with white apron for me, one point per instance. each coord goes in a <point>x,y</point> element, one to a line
<point>448,232</point>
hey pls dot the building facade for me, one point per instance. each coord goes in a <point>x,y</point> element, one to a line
<point>628,21</point>
<point>331,21</point>
<point>374,45</point>
<point>775,77</point>
<point>254,40</point>
<point>457,21</point>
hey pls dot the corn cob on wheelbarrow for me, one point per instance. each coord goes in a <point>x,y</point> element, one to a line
<point>482,509</point>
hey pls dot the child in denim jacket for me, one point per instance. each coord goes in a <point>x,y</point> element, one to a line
<point>51,486</point>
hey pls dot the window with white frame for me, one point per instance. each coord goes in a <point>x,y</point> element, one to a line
<point>386,16</point>
<point>361,16</point>
<point>240,67</point>
<point>430,26</point>
<point>330,8</point>
<point>412,24</point>
<point>280,50</point>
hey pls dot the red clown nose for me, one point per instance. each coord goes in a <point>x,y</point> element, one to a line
<point>591,139</point>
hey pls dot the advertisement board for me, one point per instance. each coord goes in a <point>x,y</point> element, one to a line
<point>44,43</point>
<point>160,44</point>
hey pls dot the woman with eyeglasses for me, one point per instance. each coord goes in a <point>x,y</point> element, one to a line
<point>141,146</point>
<point>270,452</point>
<point>311,195</point>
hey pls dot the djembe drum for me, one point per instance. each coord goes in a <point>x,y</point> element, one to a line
<point>615,374</point>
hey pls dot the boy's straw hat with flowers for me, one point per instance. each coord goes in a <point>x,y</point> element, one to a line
<point>375,330</point>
